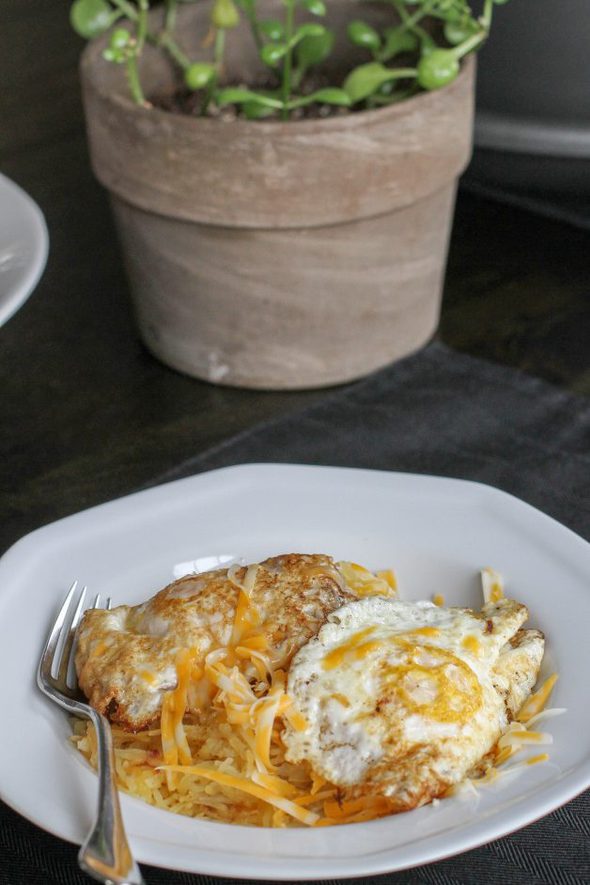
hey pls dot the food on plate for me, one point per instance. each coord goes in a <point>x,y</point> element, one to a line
<point>402,699</point>
<point>126,658</point>
<point>300,690</point>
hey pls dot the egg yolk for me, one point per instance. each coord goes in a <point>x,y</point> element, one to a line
<point>434,683</point>
<point>424,679</point>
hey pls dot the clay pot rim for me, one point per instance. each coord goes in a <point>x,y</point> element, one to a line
<point>356,119</point>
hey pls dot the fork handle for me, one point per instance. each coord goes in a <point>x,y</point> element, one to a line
<point>105,855</point>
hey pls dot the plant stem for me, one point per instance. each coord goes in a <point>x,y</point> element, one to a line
<point>170,19</point>
<point>144,8</point>
<point>486,17</point>
<point>133,79</point>
<point>288,62</point>
<point>410,21</point>
<point>419,14</point>
<point>253,22</point>
<point>174,50</point>
<point>127,9</point>
<point>219,49</point>
<point>470,44</point>
<point>473,41</point>
<point>218,59</point>
<point>297,76</point>
<point>165,40</point>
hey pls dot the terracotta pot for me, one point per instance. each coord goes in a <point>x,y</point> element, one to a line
<point>279,255</point>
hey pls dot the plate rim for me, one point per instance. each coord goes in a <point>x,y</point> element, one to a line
<point>247,466</point>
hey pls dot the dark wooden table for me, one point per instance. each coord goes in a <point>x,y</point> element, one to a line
<point>86,414</point>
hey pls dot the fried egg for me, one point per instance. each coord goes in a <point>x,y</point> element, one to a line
<point>402,699</point>
<point>126,657</point>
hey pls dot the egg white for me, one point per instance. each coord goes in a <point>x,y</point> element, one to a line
<point>400,698</point>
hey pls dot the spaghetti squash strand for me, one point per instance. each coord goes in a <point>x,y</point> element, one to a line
<point>238,782</point>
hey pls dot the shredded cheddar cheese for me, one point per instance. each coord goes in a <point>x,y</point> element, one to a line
<point>388,575</point>
<point>352,648</point>
<point>534,760</point>
<point>537,701</point>
<point>517,736</point>
<point>365,583</point>
<point>174,744</point>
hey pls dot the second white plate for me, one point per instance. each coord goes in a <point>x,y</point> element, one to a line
<point>24,243</point>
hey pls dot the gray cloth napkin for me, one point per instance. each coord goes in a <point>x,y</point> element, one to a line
<point>436,412</point>
<point>443,413</point>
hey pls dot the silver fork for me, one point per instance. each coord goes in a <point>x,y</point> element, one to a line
<point>105,855</point>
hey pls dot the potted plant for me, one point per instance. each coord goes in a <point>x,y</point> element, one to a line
<point>282,174</point>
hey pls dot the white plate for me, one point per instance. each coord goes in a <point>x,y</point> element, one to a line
<point>435,532</point>
<point>23,247</point>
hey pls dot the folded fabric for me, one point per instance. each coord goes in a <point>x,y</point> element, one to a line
<point>444,413</point>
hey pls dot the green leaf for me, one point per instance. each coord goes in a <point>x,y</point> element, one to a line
<point>386,89</point>
<point>397,40</point>
<point>117,56</point>
<point>271,29</point>
<point>119,38</point>
<point>309,29</point>
<point>366,79</point>
<point>427,45</point>
<point>313,50</point>
<point>459,31</point>
<point>199,75</point>
<point>254,111</point>
<point>316,7</point>
<point>91,18</point>
<point>362,34</point>
<point>224,15</point>
<point>240,96</point>
<point>322,96</point>
<point>272,53</point>
<point>438,68</point>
